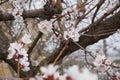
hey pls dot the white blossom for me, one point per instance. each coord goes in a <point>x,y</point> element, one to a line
<point>26,39</point>
<point>72,33</point>
<point>45,26</point>
<point>13,49</point>
<point>23,62</point>
<point>19,53</point>
<point>17,4</point>
<point>108,62</point>
<point>99,60</point>
<point>50,70</point>
<point>57,76</point>
<point>118,75</point>
<point>11,54</point>
<point>18,19</point>
<point>23,52</point>
<point>26,68</point>
<point>73,72</point>
<point>101,68</point>
<point>17,11</point>
<point>102,63</point>
<point>87,75</point>
<point>15,45</point>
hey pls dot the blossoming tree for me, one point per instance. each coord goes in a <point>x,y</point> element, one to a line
<point>60,27</point>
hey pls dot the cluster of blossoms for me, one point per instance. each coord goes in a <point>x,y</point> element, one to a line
<point>19,53</point>
<point>17,10</point>
<point>69,21</point>
<point>72,33</point>
<point>72,73</point>
<point>46,27</point>
<point>103,65</point>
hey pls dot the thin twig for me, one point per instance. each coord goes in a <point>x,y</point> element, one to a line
<point>104,47</point>
<point>100,19</point>
<point>59,55</point>
<point>71,12</point>
<point>18,69</point>
<point>83,16</point>
<point>98,7</point>
<point>86,58</point>
<point>100,3</point>
<point>83,49</point>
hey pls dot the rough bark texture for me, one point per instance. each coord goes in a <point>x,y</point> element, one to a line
<point>110,24</point>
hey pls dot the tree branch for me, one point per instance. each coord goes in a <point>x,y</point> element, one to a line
<point>34,43</point>
<point>106,26</point>
<point>98,7</point>
<point>110,24</point>
<point>41,13</point>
